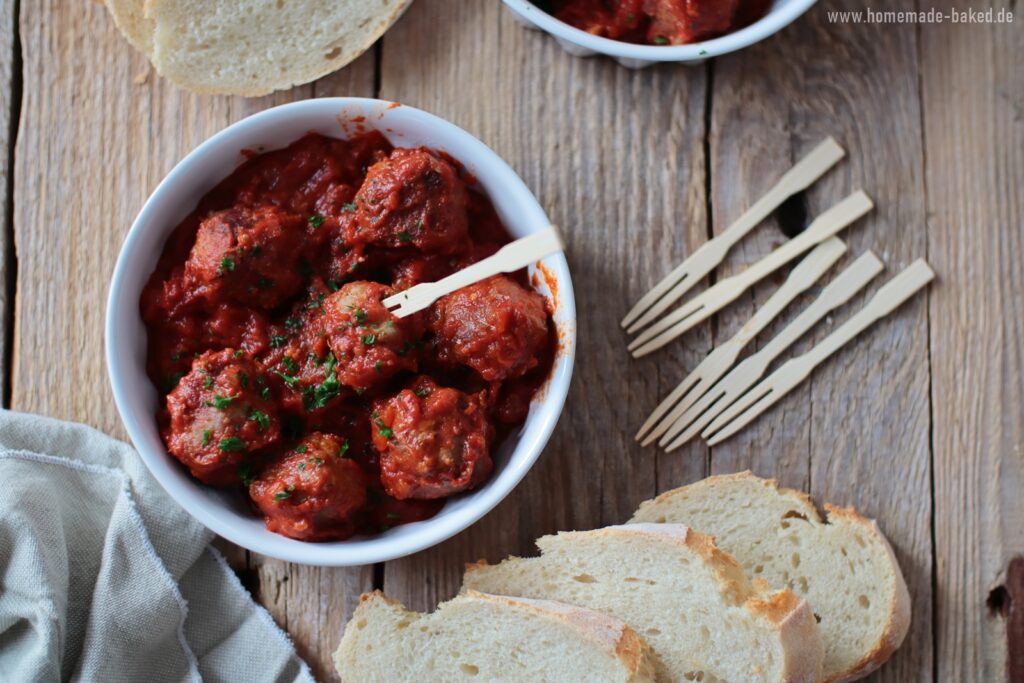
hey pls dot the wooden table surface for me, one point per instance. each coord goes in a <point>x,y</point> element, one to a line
<point>919,424</point>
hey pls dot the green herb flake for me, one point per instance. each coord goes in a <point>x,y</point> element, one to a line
<point>277,341</point>
<point>290,380</point>
<point>301,448</point>
<point>261,419</point>
<point>369,339</point>
<point>422,392</point>
<point>243,379</point>
<point>227,265</point>
<point>350,206</point>
<point>265,393</point>
<point>316,221</point>
<point>378,366</point>
<point>219,402</point>
<point>343,450</point>
<point>284,495</point>
<point>231,444</point>
<point>206,437</point>
<point>207,381</point>
<point>290,364</point>
<point>660,40</point>
<point>404,236</point>
<point>237,354</point>
<point>246,474</point>
<point>359,315</point>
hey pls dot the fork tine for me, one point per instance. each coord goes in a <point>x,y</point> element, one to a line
<point>664,407</point>
<point>747,416</point>
<point>698,410</point>
<point>672,441</point>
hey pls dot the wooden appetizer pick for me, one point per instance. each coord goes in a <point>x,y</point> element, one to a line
<point>746,374</point>
<point>718,362</point>
<point>508,259</point>
<point>704,260</point>
<point>715,298</point>
<point>793,372</point>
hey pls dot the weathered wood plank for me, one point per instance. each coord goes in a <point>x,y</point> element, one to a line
<point>973,93</point>
<point>858,432</point>
<point>616,157</point>
<point>99,132</point>
<point>8,96</point>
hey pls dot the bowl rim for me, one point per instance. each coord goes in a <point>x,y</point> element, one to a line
<point>188,492</point>
<point>777,18</point>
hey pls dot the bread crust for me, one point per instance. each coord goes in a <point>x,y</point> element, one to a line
<point>898,622</point>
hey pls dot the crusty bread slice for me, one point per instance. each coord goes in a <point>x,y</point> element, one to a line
<point>842,566</point>
<point>477,637</point>
<point>252,47</point>
<point>130,18</point>
<point>688,599</point>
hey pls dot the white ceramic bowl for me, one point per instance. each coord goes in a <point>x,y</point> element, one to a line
<point>582,44</point>
<point>227,513</point>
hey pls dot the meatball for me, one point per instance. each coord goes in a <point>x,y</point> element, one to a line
<point>412,199</point>
<point>251,256</point>
<point>617,20</point>
<point>218,418</point>
<point>370,344</point>
<point>496,327</point>
<point>678,22</point>
<point>433,441</point>
<point>313,492</point>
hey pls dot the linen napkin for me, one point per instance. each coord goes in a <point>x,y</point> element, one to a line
<point>103,577</point>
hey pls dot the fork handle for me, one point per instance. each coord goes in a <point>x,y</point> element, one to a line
<point>885,301</point>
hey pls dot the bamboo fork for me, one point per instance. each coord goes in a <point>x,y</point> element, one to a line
<point>751,369</point>
<point>723,293</point>
<point>508,259</point>
<point>704,260</point>
<point>782,381</point>
<point>718,362</point>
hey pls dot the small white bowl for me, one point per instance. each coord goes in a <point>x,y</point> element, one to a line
<point>227,513</point>
<point>582,44</point>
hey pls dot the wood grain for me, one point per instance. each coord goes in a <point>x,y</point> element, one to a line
<point>973,95</point>
<point>8,18</point>
<point>857,432</point>
<point>99,131</point>
<point>616,158</point>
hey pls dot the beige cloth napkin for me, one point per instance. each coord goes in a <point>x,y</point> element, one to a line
<point>103,577</point>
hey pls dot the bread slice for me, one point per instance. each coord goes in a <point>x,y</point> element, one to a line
<point>253,47</point>
<point>478,637</point>
<point>690,601</point>
<point>842,565</point>
<point>130,19</point>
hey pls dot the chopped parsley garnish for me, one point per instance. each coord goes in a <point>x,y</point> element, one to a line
<point>369,339</point>
<point>227,265</point>
<point>325,391</point>
<point>404,236</point>
<point>378,366</point>
<point>301,448</point>
<point>350,206</point>
<point>382,428</point>
<point>360,315</point>
<point>660,40</point>
<point>231,444</point>
<point>316,221</point>
<point>333,285</point>
<point>243,379</point>
<point>422,392</point>
<point>277,341</point>
<point>219,402</point>
<point>260,418</point>
<point>207,381</point>
<point>246,474</point>
<point>290,380</point>
<point>290,364</point>
<point>237,354</point>
<point>265,392</point>
<point>293,323</point>
<point>206,437</point>
<point>284,495</point>
<point>343,450</point>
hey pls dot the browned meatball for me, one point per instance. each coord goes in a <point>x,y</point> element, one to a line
<point>412,199</point>
<point>248,255</point>
<point>434,441</point>
<point>678,22</point>
<point>313,492</point>
<point>496,327</point>
<point>370,344</point>
<point>218,418</point>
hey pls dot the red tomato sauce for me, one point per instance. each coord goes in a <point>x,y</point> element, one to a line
<point>282,373</point>
<point>658,22</point>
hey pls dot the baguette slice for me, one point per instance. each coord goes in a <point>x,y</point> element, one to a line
<point>253,47</point>
<point>477,637</point>
<point>688,599</point>
<point>842,566</point>
<point>130,18</point>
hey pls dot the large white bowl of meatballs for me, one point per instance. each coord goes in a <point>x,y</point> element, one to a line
<point>263,381</point>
